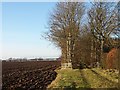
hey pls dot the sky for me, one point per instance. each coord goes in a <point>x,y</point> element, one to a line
<point>23,23</point>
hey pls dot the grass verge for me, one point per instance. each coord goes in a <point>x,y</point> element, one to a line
<point>84,78</point>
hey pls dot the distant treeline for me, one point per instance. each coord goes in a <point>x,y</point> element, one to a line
<point>25,59</point>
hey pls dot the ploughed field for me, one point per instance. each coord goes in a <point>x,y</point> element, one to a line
<point>28,74</point>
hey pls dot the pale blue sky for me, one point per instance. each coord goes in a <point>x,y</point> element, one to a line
<point>23,23</point>
<point>22,27</point>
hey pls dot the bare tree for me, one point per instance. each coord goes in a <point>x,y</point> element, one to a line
<point>64,25</point>
<point>102,22</point>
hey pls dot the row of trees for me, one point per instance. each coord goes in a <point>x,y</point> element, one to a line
<point>22,59</point>
<point>81,33</point>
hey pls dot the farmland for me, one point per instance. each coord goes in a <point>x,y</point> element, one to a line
<point>28,74</point>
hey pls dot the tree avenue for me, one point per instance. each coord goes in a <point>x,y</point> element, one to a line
<point>103,19</point>
<point>82,42</point>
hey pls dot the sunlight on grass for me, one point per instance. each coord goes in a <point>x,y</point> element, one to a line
<point>84,78</point>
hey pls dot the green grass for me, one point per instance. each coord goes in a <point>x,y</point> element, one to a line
<point>84,78</point>
<point>71,78</point>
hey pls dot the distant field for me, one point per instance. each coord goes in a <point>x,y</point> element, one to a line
<point>28,75</point>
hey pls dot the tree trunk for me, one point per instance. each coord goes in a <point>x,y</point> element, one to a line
<point>91,54</point>
<point>69,54</point>
<point>101,53</point>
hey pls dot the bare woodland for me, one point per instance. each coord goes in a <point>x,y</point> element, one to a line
<point>86,33</point>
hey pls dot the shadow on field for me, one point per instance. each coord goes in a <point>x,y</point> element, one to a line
<point>105,79</point>
<point>102,77</point>
<point>85,80</point>
<point>72,87</point>
<point>68,88</point>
